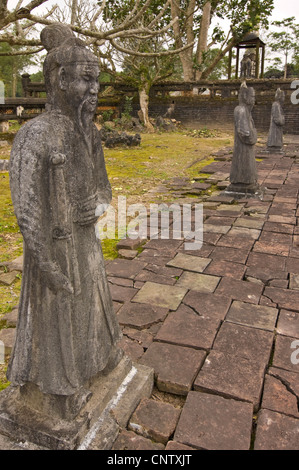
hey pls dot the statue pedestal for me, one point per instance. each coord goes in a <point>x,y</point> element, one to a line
<point>240,191</point>
<point>25,415</point>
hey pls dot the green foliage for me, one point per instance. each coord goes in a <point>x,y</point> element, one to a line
<point>12,68</point>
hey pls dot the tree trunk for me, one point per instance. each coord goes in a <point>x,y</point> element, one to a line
<point>202,45</point>
<point>185,56</point>
<point>144,101</point>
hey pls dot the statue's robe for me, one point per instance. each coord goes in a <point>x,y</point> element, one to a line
<point>243,167</point>
<point>275,137</point>
<point>63,339</point>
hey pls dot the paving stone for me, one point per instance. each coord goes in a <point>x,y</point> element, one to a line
<point>141,315</point>
<point>240,290</point>
<point>167,246</point>
<point>186,328</point>
<point>250,342</point>
<point>127,254</point>
<point>265,274</point>
<point>214,423</point>
<point>221,220</point>
<point>120,281</point>
<point>278,228</point>
<point>198,282</point>
<point>288,323</point>
<point>283,353</point>
<point>142,337</point>
<point>146,275</point>
<point>275,262</point>
<point>284,298</point>
<point>236,242</point>
<point>130,244</point>
<point>161,295</point>
<point>174,445</point>
<point>226,269</point>
<point>249,222</point>
<point>7,336</point>
<point>121,294</point>
<point>209,306</point>
<point>256,316</point>
<point>175,366</point>
<point>271,248</point>
<point>282,220</point>
<point>8,278</point>
<point>276,431</point>
<point>11,318</point>
<point>131,348</point>
<point>154,420</point>
<point>281,392</point>
<point>245,232</point>
<point>125,268</point>
<point>189,262</point>
<point>232,376</point>
<point>294,281</point>
<point>128,440</point>
<point>229,254</point>
<point>216,228</point>
<point>292,265</point>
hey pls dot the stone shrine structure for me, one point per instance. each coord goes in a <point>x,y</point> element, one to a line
<point>275,137</point>
<point>243,173</point>
<point>67,370</point>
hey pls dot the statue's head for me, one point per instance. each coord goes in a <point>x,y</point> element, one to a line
<point>71,71</point>
<point>280,96</point>
<point>246,95</point>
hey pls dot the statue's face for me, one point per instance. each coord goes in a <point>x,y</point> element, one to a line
<point>251,97</point>
<point>81,85</point>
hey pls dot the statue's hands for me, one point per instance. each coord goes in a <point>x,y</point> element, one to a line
<point>55,279</point>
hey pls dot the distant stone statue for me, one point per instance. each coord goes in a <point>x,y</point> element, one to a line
<point>67,330</point>
<point>243,174</point>
<point>275,137</point>
<point>246,66</point>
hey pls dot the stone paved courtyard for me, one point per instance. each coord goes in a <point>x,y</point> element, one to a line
<point>217,324</point>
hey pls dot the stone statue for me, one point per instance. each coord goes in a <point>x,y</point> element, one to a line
<point>275,137</point>
<point>243,174</point>
<point>246,66</point>
<point>67,370</point>
<point>67,330</point>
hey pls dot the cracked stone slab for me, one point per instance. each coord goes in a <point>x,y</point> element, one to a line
<point>141,315</point>
<point>189,262</point>
<point>288,323</point>
<point>283,353</point>
<point>257,316</point>
<point>232,376</point>
<point>225,268</point>
<point>175,367</point>
<point>209,306</point>
<point>154,420</point>
<point>281,392</point>
<point>285,298</point>
<point>212,422</point>
<point>276,431</point>
<point>186,328</point>
<point>198,282</point>
<point>125,268</point>
<point>252,343</point>
<point>161,295</point>
<point>240,290</point>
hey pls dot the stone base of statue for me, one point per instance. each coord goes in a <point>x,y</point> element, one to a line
<point>276,150</point>
<point>241,190</point>
<point>89,420</point>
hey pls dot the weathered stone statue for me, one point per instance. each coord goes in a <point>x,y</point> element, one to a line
<point>243,174</point>
<point>246,66</point>
<point>275,137</point>
<point>67,334</point>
